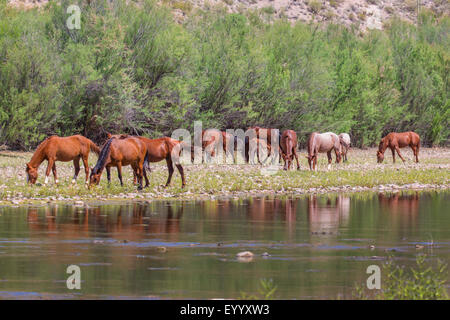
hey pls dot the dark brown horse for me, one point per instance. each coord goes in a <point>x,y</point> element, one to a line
<point>117,153</point>
<point>63,149</point>
<point>164,148</point>
<point>288,148</point>
<point>395,141</point>
<point>323,142</point>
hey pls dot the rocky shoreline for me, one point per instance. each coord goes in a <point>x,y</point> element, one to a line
<point>188,196</point>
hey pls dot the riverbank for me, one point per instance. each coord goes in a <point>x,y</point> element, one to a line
<point>210,181</point>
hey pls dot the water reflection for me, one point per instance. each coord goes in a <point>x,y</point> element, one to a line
<point>317,245</point>
<point>327,214</point>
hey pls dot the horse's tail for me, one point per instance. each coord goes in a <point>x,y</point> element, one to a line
<point>94,148</point>
<point>103,155</point>
<point>146,163</point>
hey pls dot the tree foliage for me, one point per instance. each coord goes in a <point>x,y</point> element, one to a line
<point>131,68</point>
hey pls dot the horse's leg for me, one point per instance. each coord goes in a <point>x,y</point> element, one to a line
<point>146,179</point>
<point>315,163</point>
<point>54,172</point>
<point>119,172</point>
<point>108,174</point>
<point>49,166</point>
<point>181,171</point>
<point>296,158</point>
<point>134,177</point>
<point>170,168</point>
<point>330,159</point>
<point>417,153</point>
<point>399,154</point>
<point>76,165</point>
<point>137,170</point>
<point>86,168</point>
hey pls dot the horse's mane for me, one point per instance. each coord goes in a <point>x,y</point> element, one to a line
<point>103,156</point>
<point>39,148</point>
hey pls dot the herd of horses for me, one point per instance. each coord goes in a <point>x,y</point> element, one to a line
<point>123,150</point>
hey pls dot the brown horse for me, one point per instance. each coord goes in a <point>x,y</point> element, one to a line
<point>211,138</point>
<point>168,149</point>
<point>64,149</point>
<point>266,134</point>
<point>323,142</point>
<point>252,146</point>
<point>117,153</point>
<point>288,146</point>
<point>395,141</point>
<point>158,150</point>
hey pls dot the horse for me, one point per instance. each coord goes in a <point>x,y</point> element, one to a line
<point>395,141</point>
<point>211,139</point>
<point>121,152</point>
<point>263,133</point>
<point>63,149</point>
<point>252,146</point>
<point>288,146</point>
<point>323,142</point>
<point>158,150</point>
<point>344,138</point>
<point>165,148</point>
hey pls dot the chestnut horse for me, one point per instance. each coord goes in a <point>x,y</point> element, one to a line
<point>252,146</point>
<point>211,139</point>
<point>63,149</point>
<point>160,149</point>
<point>345,144</point>
<point>395,141</point>
<point>266,134</point>
<point>323,142</point>
<point>117,153</point>
<point>288,146</point>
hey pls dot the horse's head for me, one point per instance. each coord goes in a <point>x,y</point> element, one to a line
<point>32,174</point>
<point>338,157</point>
<point>310,158</point>
<point>380,156</point>
<point>94,178</point>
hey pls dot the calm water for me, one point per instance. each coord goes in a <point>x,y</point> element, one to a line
<point>318,246</point>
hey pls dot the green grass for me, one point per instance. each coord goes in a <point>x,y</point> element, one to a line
<point>424,281</point>
<point>207,180</point>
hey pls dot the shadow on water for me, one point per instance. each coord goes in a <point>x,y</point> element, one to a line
<point>315,246</point>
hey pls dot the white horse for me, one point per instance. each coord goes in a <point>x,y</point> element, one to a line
<point>345,144</point>
<point>320,143</point>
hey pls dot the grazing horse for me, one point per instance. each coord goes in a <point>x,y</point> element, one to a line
<point>344,138</point>
<point>288,146</point>
<point>263,133</point>
<point>323,142</point>
<point>395,141</point>
<point>158,150</point>
<point>252,146</point>
<point>117,153</point>
<point>64,149</point>
<point>211,139</point>
<point>165,148</point>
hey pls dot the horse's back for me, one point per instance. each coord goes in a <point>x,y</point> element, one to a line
<point>327,141</point>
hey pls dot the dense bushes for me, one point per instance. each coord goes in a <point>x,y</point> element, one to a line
<point>130,68</point>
